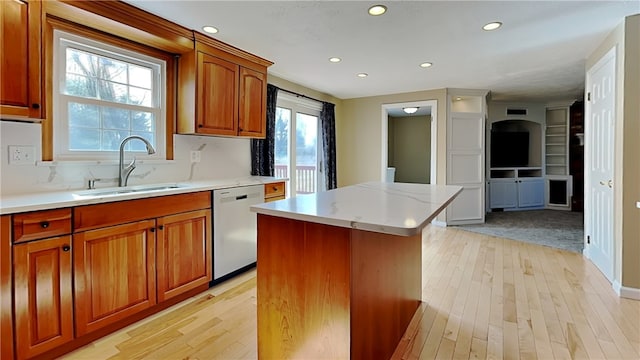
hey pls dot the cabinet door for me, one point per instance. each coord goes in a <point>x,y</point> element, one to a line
<point>43,295</point>
<point>217,96</point>
<point>183,252</point>
<point>504,193</point>
<point>253,100</point>
<point>20,88</point>
<point>6,289</point>
<point>114,273</point>
<point>530,192</point>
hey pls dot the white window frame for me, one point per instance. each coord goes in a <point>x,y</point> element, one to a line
<point>297,104</point>
<point>63,40</point>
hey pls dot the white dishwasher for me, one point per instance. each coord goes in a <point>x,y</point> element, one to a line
<point>235,231</point>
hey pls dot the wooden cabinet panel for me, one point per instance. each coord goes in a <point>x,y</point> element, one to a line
<point>217,96</point>
<point>6,290</point>
<point>20,88</point>
<point>222,90</point>
<point>100,215</point>
<point>43,295</point>
<point>114,273</point>
<point>41,224</point>
<point>183,253</point>
<point>253,102</point>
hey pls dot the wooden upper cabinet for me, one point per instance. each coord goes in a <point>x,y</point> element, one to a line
<point>43,295</point>
<point>253,102</point>
<point>114,273</point>
<point>20,65</point>
<point>217,100</point>
<point>222,91</point>
<point>183,253</point>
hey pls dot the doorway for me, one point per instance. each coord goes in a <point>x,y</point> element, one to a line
<point>408,152</point>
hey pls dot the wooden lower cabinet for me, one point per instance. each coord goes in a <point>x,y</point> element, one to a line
<point>114,274</point>
<point>183,252</point>
<point>6,289</point>
<point>43,296</point>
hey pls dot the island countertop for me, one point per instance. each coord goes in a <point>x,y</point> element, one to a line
<point>388,208</point>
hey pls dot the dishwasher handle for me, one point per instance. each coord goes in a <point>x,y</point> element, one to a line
<point>241,197</point>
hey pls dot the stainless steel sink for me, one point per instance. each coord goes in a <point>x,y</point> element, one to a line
<point>127,190</point>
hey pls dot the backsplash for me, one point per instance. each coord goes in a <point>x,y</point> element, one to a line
<point>221,158</point>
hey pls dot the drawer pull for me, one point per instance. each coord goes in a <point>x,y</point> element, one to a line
<point>275,188</point>
<point>44,224</point>
<point>66,248</point>
<point>152,229</point>
<point>161,227</point>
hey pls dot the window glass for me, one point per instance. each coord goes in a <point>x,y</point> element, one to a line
<point>105,94</point>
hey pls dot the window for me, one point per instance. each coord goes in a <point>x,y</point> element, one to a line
<point>103,94</point>
<point>301,116</point>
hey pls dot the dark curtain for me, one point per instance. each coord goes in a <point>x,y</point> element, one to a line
<point>328,123</point>
<point>262,150</point>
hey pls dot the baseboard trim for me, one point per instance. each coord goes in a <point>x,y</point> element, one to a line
<point>439,223</point>
<point>626,292</point>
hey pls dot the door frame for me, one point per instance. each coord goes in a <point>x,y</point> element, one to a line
<point>433,104</point>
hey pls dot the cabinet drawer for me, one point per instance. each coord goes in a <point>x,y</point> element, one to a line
<point>275,198</point>
<point>41,224</point>
<point>273,190</point>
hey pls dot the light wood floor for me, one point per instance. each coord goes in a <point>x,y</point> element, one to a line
<point>484,297</point>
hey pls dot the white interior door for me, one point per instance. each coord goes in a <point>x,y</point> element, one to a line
<point>465,167</point>
<point>599,150</point>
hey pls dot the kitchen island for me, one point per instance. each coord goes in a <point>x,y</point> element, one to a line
<point>340,272</point>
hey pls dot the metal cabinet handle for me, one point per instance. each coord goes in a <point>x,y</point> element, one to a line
<point>35,106</point>
<point>161,227</point>
<point>44,224</point>
<point>66,247</point>
<point>152,229</point>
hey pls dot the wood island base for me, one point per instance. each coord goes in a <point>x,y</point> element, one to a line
<point>329,292</point>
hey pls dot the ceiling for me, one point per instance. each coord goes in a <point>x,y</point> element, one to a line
<point>537,55</point>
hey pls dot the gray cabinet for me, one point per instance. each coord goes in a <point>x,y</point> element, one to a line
<point>516,189</point>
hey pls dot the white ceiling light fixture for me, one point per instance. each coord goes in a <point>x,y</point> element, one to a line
<point>410,110</point>
<point>362,75</point>
<point>335,59</point>
<point>210,29</point>
<point>377,10</point>
<point>426,65</point>
<point>492,26</point>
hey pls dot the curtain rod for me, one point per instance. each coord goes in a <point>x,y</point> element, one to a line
<point>298,94</point>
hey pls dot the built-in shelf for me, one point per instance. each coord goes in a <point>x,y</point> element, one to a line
<point>556,141</point>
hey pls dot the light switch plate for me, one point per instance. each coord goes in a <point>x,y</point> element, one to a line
<point>22,155</point>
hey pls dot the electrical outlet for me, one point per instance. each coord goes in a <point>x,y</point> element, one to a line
<point>195,156</point>
<point>22,155</point>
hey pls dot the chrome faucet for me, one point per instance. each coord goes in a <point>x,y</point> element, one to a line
<point>125,171</point>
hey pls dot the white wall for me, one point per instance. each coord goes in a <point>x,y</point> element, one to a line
<point>221,158</point>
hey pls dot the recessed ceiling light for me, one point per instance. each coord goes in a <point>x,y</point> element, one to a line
<point>363,75</point>
<point>458,98</point>
<point>426,64</point>
<point>377,10</point>
<point>335,59</point>
<point>410,110</point>
<point>209,29</point>
<point>492,26</point>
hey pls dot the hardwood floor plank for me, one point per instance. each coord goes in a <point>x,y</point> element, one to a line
<point>484,297</point>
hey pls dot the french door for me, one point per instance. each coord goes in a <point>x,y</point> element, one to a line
<point>298,154</point>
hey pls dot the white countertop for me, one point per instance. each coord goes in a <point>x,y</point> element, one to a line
<point>390,208</point>
<point>60,199</point>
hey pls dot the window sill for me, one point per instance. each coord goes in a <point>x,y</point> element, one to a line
<point>101,162</point>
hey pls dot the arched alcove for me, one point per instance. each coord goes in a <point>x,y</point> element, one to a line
<point>515,143</point>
